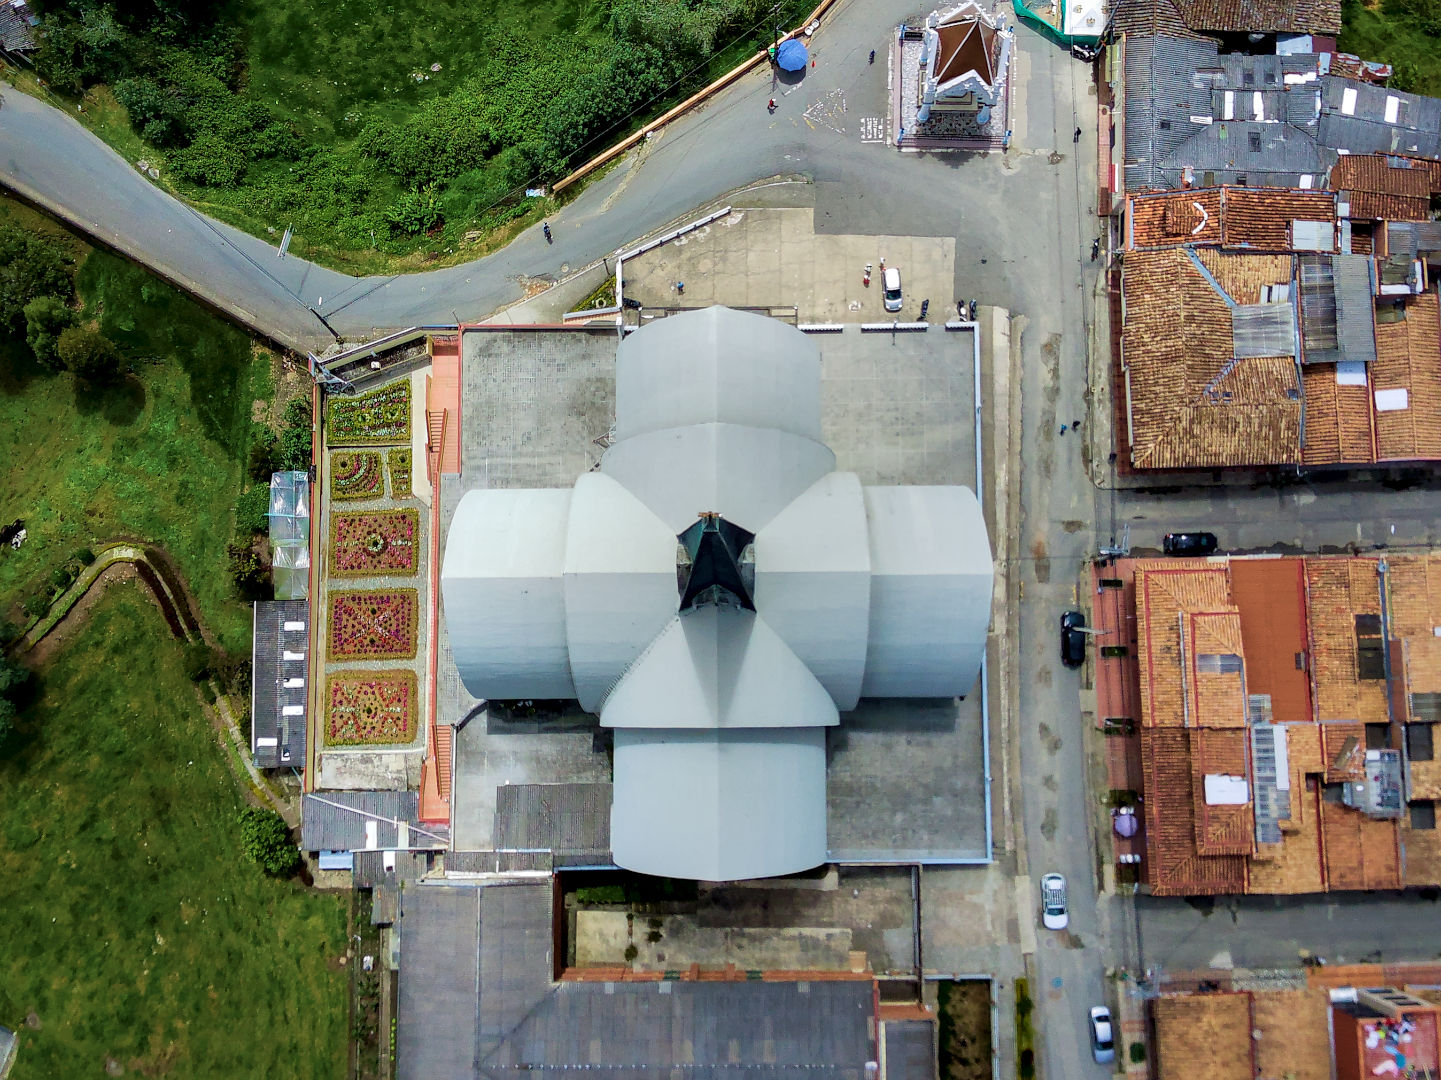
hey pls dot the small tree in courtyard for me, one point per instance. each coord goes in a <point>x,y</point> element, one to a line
<point>46,318</point>
<point>266,840</point>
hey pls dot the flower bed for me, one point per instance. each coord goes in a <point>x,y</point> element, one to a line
<point>374,543</point>
<point>377,417</point>
<point>356,474</point>
<point>400,473</point>
<point>370,707</point>
<point>375,625</point>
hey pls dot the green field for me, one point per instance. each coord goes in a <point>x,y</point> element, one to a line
<point>156,459</point>
<point>133,927</point>
<point>1403,33</point>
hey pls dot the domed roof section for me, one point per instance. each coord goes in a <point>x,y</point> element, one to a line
<point>718,366</point>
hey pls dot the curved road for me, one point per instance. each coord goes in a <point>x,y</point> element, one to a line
<point>48,157</point>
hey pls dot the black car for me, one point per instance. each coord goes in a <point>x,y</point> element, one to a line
<point>1073,639</point>
<point>1189,543</point>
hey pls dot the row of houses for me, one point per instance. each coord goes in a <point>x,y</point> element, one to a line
<point>1274,287</point>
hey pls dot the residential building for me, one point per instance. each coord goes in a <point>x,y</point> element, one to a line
<point>339,825</point>
<point>1255,333</point>
<point>1286,710</point>
<point>1348,1033</point>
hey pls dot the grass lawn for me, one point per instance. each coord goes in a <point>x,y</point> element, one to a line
<point>133,927</point>
<point>157,459</point>
<point>1384,32</point>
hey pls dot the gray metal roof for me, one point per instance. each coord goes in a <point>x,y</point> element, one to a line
<point>278,683</point>
<point>552,594</point>
<point>557,818</point>
<point>364,821</point>
<point>1362,118</point>
<point>1162,94</point>
<point>1338,314</point>
<point>910,1049</point>
<point>477,1001</point>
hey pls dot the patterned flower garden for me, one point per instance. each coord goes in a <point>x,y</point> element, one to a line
<point>399,459</point>
<point>370,707</point>
<point>379,417</point>
<point>356,474</point>
<point>379,624</point>
<point>374,542</point>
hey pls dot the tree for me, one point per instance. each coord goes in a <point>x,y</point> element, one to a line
<point>30,266</point>
<point>265,838</point>
<point>250,574</point>
<point>46,318</point>
<point>90,355</point>
<point>7,720</point>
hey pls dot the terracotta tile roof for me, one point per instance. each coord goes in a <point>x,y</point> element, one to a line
<point>1408,356</point>
<point>1336,591</point>
<point>1383,188</point>
<point>1294,865</point>
<point>1191,404</point>
<point>1163,592</point>
<point>1220,829</point>
<point>1262,16</point>
<point>1338,419</point>
<point>1295,1031</point>
<point>1261,218</point>
<point>1173,217</point>
<point>1361,852</point>
<point>1271,597</point>
<point>1343,750</point>
<point>1148,18</point>
<point>1425,784</point>
<point>1423,853</point>
<point>1258,219</point>
<point>1203,1036</point>
<point>1415,595</point>
<point>1174,866</point>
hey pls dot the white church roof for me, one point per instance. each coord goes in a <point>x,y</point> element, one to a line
<point>718,594</point>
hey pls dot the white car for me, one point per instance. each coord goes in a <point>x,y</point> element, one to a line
<point>1054,915</point>
<point>1103,1042</point>
<point>891,280</point>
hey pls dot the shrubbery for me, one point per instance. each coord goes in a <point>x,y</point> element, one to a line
<point>265,838</point>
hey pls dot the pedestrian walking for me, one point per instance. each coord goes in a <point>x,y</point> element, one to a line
<point>873,56</point>
<point>1063,429</point>
<point>680,287</point>
<point>1095,248</point>
<point>545,228</point>
<point>1077,136</point>
<point>1075,425</point>
<point>771,105</point>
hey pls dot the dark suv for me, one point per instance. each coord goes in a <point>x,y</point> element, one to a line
<point>1189,543</point>
<point>1073,639</point>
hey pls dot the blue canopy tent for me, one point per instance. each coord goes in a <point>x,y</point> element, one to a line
<point>791,56</point>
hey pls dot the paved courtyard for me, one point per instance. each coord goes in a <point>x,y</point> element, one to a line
<point>905,778</point>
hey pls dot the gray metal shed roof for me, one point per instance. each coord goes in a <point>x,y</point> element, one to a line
<point>1338,313</point>
<point>278,663</point>
<point>1263,330</point>
<point>364,820</point>
<point>910,1049</point>
<point>1362,118</point>
<point>477,1001</point>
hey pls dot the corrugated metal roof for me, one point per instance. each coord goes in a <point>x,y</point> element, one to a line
<point>278,692</point>
<point>1162,94</point>
<point>361,820</point>
<point>1363,118</point>
<point>1338,316</point>
<point>558,818</point>
<point>1263,330</point>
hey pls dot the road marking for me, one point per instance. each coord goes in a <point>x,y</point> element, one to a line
<point>873,129</point>
<point>828,111</point>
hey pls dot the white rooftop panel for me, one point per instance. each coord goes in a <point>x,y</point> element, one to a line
<point>746,474</point>
<point>719,805</point>
<point>501,584</point>
<point>718,667</point>
<point>930,591</point>
<point>620,583</point>
<point>718,366</point>
<point>813,582</point>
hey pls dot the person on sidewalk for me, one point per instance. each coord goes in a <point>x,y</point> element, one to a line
<point>771,106</point>
<point>1077,136</point>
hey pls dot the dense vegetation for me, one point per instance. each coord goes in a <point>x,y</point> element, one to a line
<point>396,126</point>
<point>158,445</point>
<point>137,937</point>
<point>1403,33</point>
